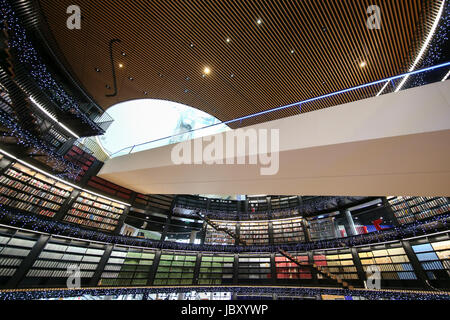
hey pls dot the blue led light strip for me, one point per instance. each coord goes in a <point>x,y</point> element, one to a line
<point>298,103</point>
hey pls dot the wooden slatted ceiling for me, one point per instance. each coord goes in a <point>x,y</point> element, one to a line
<point>329,39</point>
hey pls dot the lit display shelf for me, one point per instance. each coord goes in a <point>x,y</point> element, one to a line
<point>389,259</point>
<point>216,269</point>
<point>338,262</point>
<point>59,256</point>
<point>288,230</point>
<point>175,269</point>
<point>94,211</point>
<point>14,248</point>
<point>288,270</point>
<point>128,267</point>
<point>255,232</point>
<point>434,258</point>
<point>216,237</point>
<point>254,268</point>
<point>410,209</point>
<point>31,191</point>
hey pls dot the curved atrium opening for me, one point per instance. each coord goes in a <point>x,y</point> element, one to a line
<point>138,123</point>
<point>327,177</point>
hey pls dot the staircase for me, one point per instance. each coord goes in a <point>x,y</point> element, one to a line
<point>319,269</point>
<point>218,228</point>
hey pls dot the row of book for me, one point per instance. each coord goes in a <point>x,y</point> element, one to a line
<point>18,186</point>
<point>30,180</point>
<point>26,207</point>
<point>89,223</point>
<point>95,211</point>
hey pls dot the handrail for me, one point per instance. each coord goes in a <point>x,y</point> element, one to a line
<point>407,74</point>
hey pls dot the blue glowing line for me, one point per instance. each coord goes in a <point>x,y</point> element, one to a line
<point>298,103</point>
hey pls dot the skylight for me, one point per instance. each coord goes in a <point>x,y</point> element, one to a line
<point>138,122</point>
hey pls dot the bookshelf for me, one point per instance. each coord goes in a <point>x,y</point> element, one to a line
<point>410,209</point>
<point>391,259</point>
<point>94,211</point>
<point>338,262</point>
<point>215,237</point>
<point>434,258</point>
<point>81,158</point>
<point>254,268</point>
<point>254,232</point>
<point>13,250</point>
<point>288,270</point>
<point>322,229</point>
<point>175,269</point>
<point>288,231</point>
<point>216,269</point>
<point>128,267</point>
<point>58,256</point>
<point>25,189</point>
<point>109,188</point>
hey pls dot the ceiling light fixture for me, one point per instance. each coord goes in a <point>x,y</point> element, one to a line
<point>362,64</point>
<point>123,54</point>
<point>259,21</point>
<point>97,69</point>
<point>292,51</point>
<point>228,40</point>
<point>130,78</point>
<point>121,65</point>
<point>206,71</point>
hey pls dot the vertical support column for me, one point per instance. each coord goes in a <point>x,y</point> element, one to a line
<point>238,233</point>
<point>152,273</point>
<point>121,221</point>
<point>101,266</point>
<point>306,230</point>
<point>273,269</point>
<point>359,268</point>
<point>27,263</point>
<point>197,268</point>
<point>236,269</point>
<point>420,273</point>
<point>351,224</point>
<point>313,270</point>
<point>66,205</point>
<point>270,230</point>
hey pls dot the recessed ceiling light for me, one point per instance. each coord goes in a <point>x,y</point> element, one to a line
<point>187,78</point>
<point>259,21</point>
<point>145,93</point>
<point>232,75</point>
<point>206,70</point>
<point>292,51</point>
<point>130,78</point>
<point>186,90</point>
<point>362,64</point>
<point>123,54</point>
<point>120,65</point>
<point>191,45</point>
<point>228,40</point>
<point>97,69</point>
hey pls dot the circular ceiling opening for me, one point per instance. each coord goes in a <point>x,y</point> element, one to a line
<point>138,123</point>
